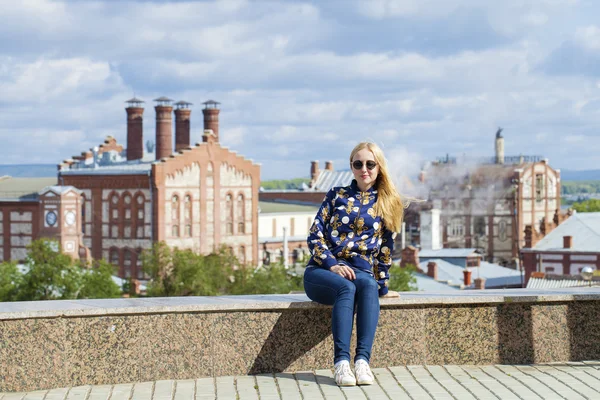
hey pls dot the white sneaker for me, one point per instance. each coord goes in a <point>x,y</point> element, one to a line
<point>343,374</point>
<point>363,372</point>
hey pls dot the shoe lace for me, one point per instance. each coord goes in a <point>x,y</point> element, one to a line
<point>362,368</point>
<point>343,369</point>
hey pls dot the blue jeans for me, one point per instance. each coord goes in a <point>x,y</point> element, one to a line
<point>346,296</point>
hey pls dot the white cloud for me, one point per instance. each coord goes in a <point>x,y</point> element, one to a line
<point>445,74</point>
<point>588,37</point>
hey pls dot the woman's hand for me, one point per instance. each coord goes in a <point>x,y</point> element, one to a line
<point>343,271</point>
<point>390,294</point>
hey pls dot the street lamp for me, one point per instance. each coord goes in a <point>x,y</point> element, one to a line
<point>587,273</point>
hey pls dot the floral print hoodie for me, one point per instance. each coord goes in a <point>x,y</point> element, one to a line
<point>347,231</point>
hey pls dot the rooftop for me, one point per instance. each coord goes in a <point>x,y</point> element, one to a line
<point>447,253</point>
<point>328,179</point>
<point>16,189</point>
<point>583,227</point>
<point>273,207</point>
<point>494,274</point>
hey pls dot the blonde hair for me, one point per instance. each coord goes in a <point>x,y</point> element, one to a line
<point>389,203</point>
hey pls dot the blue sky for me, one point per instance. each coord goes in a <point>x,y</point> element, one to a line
<point>301,80</point>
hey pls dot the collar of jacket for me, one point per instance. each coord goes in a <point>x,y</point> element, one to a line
<point>354,186</point>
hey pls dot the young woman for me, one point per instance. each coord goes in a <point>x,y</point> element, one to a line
<point>351,242</point>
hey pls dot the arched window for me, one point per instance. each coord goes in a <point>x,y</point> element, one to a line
<point>139,272</point>
<point>187,215</point>
<point>127,267</point>
<point>240,212</point>
<point>114,257</point>
<point>127,215</point>
<point>83,214</point>
<point>175,216</point>
<point>229,214</point>
<point>140,216</point>
<point>114,215</point>
<point>242,255</point>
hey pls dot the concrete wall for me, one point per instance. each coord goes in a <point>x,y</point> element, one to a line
<point>130,340</point>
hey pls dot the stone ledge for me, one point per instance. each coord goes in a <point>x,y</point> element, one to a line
<point>167,305</point>
<point>93,342</point>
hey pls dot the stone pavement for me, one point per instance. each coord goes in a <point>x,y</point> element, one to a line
<point>574,380</point>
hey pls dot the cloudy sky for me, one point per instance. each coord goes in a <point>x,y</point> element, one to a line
<point>301,80</point>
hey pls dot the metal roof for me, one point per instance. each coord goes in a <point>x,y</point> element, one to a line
<point>271,207</point>
<point>163,98</point>
<point>329,179</point>
<point>428,284</point>
<point>494,274</point>
<point>125,168</point>
<point>583,227</point>
<point>135,100</point>
<point>541,283</point>
<point>447,253</point>
<point>14,189</point>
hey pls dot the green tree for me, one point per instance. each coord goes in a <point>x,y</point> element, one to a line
<point>50,274</point>
<point>272,279</point>
<point>175,272</point>
<point>11,280</point>
<point>591,205</point>
<point>97,282</point>
<point>284,183</point>
<point>403,279</point>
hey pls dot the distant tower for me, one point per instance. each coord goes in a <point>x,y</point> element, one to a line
<point>499,147</point>
<point>211,117</point>
<point>135,140</point>
<point>164,132</point>
<point>182,125</point>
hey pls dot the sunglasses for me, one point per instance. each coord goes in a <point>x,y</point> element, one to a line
<point>357,164</point>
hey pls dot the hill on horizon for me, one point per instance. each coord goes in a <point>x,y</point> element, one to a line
<point>49,170</point>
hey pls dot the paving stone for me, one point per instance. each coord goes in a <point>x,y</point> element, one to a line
<point>205,389</point>
<point>288,386</point>
<point>570,381</point>
<point>184,390</point>
<point>412,387</point>
<point>550,382</point>
<point>100,392</point>
<point>225,387</point>
<point>247,388</point>
<point>308,385</point>
<point>389,384</point>
<point>579,372</point>
<point>267,387</point>
<point>57,394</point>
<point>327,384</point>
<point>143,391</point>
<point>121,392</point>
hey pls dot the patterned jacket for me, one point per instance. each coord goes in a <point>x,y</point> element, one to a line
<point>347,231</point>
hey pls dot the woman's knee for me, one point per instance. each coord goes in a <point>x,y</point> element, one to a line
<point>367,285</point>
<point>347,287</point>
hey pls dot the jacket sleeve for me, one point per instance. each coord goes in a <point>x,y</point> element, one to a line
<point>317,236</point>
<point>384,260</point>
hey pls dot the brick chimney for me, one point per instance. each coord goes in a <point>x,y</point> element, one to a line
<point>314,170</point>
<point>328,165</point>
<point>410,256</point>
<point>182,125</point>
<point>135,129</point>
<point>422,176</point>
<point>567,242</point>
<point>211,118</point>
<point>432,270</point>
<point>480,283</point>
<point>467,277</point>
<point>164,130</point>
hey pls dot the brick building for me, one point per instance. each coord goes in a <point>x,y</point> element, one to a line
<point>565,250</point>
<point>484,204</point>
<point>194,197</point>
